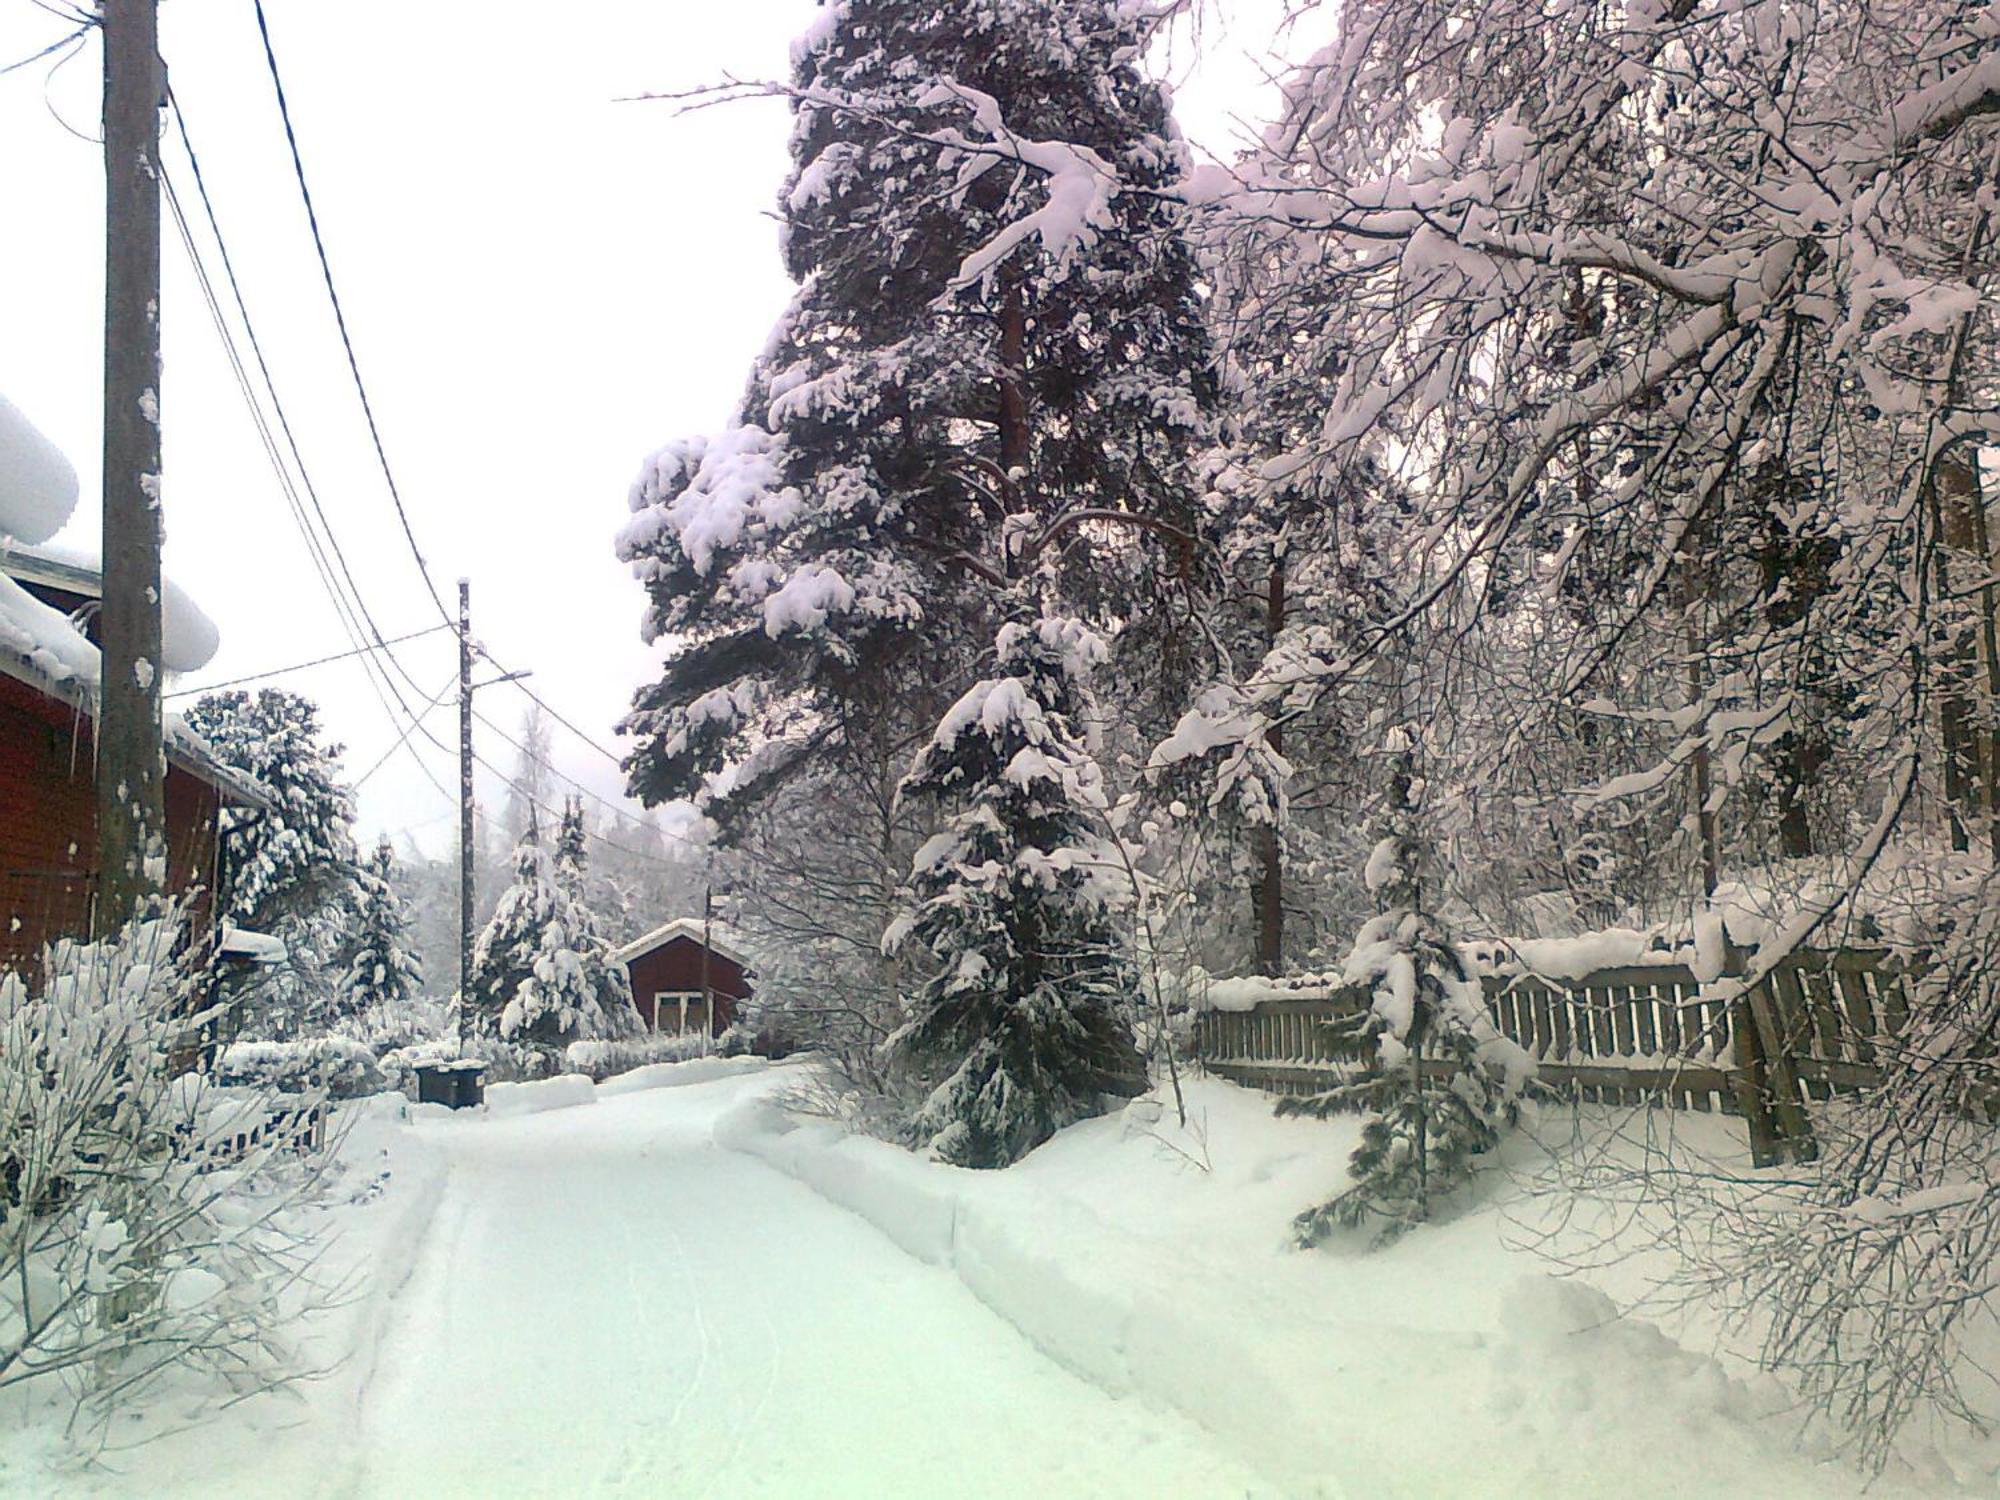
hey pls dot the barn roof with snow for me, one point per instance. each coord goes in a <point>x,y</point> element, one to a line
<point>681,983</point>
<point>721,939</point>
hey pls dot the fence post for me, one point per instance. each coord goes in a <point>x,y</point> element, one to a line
<point>1753,1087</point>
<point>1795,1132</point>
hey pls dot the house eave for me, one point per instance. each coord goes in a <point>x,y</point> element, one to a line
<point>185,749</point>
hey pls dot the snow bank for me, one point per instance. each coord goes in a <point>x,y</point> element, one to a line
<point>504,1100</point>
<point>671,1075</point>
<point>1151,1260</point>
<point>37,484</point>
<point>567,1090</point>
<point>1076,1287</point>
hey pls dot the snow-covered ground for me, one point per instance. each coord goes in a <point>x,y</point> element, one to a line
<point>605,1302</point>
<point>667,1291</point>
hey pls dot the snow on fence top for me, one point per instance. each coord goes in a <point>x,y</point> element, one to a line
<point>37,484</point>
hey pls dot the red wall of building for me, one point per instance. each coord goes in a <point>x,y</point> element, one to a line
<point>676,965</point>
<point>48,825</point>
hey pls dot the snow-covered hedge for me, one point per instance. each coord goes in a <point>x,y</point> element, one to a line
<point>504,1062</point>
<point>601,1060</point>
<point>340,1066</point>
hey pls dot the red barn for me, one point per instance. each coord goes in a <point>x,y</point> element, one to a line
<point>48,800</point>
<point>675,973</point>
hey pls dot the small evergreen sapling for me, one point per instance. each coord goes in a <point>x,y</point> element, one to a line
<point>1017,901</point>
<point>1435,1077</point>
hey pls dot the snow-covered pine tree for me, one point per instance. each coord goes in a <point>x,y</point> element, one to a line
<point>292,871</point>
<point>1422,1133</point>
<point>542,976</point>
<point>572,857</point>
<point>997,346</point>
<point>602,888</point>
<point>1025,1026</point>
<point>383,974</point>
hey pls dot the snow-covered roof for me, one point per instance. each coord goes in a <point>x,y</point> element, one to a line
<point>41,647</point>
<point>37,484</point>
<point>188,638</point>
<point>721,939</point>
<point>253,947</point>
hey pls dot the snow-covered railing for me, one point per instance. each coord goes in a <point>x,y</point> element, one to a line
<point>1822,1022</point>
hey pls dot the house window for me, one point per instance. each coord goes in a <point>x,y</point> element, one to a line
<point>679,1011</point>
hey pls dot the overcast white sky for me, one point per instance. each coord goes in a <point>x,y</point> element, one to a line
<point>543,285</point>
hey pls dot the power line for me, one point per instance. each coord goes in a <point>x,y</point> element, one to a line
<point>355,614</point>
<point>263,365</point>
<point>343,609</point>
<point>318,661</point>
<point>340,316</point>
<point>542,703</point>
<point>350,607</point>
<point>55,46</point>
<point>404,738</point>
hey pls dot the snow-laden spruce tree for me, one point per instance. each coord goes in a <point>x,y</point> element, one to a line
<point>995,365</point>
<point>293,871</point>
<point>1434,1076</point>
<point>542,976</point>
<point>383,974</point>
<point>1025,1026</point>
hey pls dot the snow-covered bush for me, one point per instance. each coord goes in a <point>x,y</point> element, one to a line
<point>338,1066</point>
<point>387,1028</point>
<point>600,1060</point>
<point>1025,1025</point>
<point>137,1232</point>
<point>1426,1017</point>
<point>503,1061</point>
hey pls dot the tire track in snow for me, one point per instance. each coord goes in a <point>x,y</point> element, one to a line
<point>440,1230</point>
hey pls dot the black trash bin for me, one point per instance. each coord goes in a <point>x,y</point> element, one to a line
<point>456,1085</point>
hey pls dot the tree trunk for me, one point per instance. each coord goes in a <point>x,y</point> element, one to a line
<point>1269,892</point>
<point>1014,446</point>
<point>1957,513</point>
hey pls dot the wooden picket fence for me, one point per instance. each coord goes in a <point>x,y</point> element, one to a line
<point>1823,1022</point>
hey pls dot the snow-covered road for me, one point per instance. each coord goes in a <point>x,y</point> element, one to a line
<point>609,1304</point>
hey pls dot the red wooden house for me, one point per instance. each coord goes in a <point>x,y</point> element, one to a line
<point>676,972</point>
<point>48,804</point>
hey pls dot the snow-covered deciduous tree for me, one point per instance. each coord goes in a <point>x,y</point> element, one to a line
<point>1673,331</point>
<point>1025,1025</point>
<point>293,871</point>
<point>122,1252</point>
<point>542,976</point>
<point>1424,1007</point>
<point>995,367</point>
<point>383,974</point>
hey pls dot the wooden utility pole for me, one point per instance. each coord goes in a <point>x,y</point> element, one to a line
<point>466,689</point>
<point>464,813</point>
<point>707,989</point>
<point>131,767</point>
